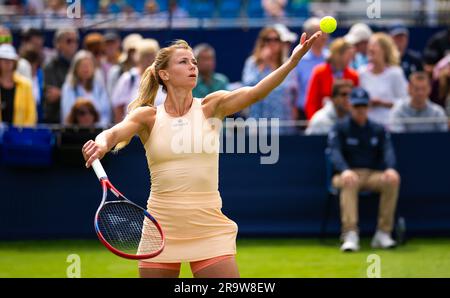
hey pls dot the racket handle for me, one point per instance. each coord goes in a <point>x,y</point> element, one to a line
<point>98,168</point>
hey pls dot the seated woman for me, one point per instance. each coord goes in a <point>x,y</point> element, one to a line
<point>17,105</point>
<point>83,113</point>
<point>81,81</point>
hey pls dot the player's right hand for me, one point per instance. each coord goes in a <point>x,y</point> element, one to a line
<point>92,151</point>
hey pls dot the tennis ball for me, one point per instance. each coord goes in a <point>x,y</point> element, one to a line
<point>328,24</point>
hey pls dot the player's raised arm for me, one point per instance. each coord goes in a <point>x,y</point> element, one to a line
<point>226,103</point>
<point>139,121</point>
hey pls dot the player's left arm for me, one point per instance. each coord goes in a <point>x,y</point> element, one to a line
<point>225,103</point>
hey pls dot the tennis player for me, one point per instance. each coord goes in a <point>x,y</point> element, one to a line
<point>184,196</point>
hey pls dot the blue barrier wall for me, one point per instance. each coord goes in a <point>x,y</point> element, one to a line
<point>286,198</point>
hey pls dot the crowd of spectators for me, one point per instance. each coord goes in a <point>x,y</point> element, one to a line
<point>177,8</point>
<point>42,85</point>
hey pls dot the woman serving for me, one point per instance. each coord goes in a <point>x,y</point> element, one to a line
<point>185,198</point>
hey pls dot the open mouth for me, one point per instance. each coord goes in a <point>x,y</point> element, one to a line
<point>193,76</point>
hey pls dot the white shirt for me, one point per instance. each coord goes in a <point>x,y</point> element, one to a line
<point>127,89</point>
<point>390,85</point>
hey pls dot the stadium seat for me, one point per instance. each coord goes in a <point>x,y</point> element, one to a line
<point>254,9</point>
<point>230,9</point>
<point>91,7</point>
<point>201,8</point>
<point>27,146</point>
<point>298,8</point>
<point>164,5</point>
<point>333,194</point>
<point>137,5</point>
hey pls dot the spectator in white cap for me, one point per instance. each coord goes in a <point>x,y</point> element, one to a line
<point>16,95</point>
<point>127,60</point>
<point>359,35</point>
<point>127,86</point>
<point>288,38</point>
<point>23,66</point>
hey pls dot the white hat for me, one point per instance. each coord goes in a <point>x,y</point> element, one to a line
<point>8,52</point>
<point>285,34</point>
<point>358,32</point>
<point>131,41</point>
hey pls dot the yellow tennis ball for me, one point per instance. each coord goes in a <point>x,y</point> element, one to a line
<point>328,24</point>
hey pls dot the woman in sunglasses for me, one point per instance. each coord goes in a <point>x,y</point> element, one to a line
<point>83,113</point>
<point>268,55</point>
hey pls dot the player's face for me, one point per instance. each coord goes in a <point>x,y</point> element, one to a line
<point>182,70</point>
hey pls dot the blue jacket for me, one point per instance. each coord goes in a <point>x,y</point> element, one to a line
<point>368,147</point>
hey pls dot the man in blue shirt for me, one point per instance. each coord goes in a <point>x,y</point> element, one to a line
<point>362,152</point>
<point>312,58</point>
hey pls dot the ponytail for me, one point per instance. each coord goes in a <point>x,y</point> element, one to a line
<point>148,88</point>
<point>150,81</point>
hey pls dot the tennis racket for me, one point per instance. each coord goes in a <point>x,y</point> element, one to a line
<point>126,229</point>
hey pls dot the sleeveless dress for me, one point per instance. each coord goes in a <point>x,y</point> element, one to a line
<point>183,159</point>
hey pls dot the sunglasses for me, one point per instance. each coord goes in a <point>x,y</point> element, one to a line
<point>71,40</point>
<point>84,112</point>
<point>271,39</point>
<point>344,94</point>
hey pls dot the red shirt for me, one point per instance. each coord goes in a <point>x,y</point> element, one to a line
<point>321,84</point>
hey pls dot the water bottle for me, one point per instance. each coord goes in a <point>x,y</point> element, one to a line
<point>401,230</point>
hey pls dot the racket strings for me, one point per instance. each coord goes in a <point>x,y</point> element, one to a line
<point>126,228</point>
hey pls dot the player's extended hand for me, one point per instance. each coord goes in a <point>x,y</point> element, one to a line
<point>91,151</point>
<point>304,46</point>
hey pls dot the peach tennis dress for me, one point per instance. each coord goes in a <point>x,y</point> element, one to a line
<point>184,196</point>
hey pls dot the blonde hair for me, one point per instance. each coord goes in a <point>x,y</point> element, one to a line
<point>263,34</point>
<point>391,53</point>
<point>337,48</point>
<point>72,76</point>
<point>147,46</point>
<point>150,81</point>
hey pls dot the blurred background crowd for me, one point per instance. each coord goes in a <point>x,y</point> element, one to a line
<point>89,79</point>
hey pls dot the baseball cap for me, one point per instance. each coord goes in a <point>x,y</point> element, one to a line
<point>285,34</point>
<point>357,33</point>
<point>111,35</point>
<point>8,52</point>
<point>398,29</point>
<point>359,97</point>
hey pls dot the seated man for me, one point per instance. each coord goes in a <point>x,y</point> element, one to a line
<point>335,109</point>
<point>418,105</point>
<point>362,152</point>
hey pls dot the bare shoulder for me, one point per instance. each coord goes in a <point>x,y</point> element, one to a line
<point>145,116</point>
<point>211,101</point>
<point>214,96</point>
